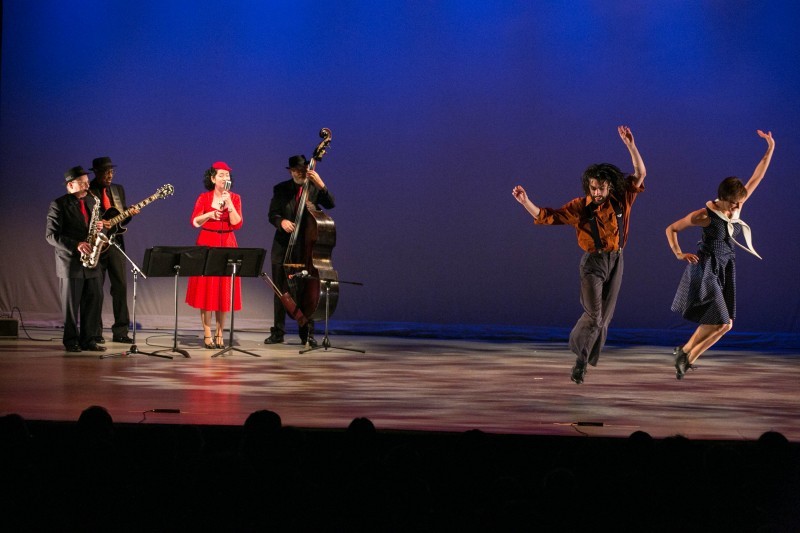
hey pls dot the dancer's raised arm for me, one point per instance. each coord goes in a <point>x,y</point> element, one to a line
<point>639,169</point>
<point>761,168</point>
<point>522,197</point>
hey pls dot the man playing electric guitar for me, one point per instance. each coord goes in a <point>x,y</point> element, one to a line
<point>112,199</point>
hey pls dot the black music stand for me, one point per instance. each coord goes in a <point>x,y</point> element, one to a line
<point>241,262</point>
<point>163,261</point>
<point>326,342</point>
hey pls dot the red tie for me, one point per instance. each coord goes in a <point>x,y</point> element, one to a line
<point>83,210</point>
<point>106,201</point>
<point>297,198</point>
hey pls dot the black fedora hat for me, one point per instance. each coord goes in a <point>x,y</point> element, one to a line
<point>100,163</point>
<point>74,173</point>
<point>297,161</point>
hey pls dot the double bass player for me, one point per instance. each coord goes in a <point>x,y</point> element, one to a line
<point>282,213</point>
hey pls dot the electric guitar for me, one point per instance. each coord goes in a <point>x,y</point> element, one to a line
<point>114,217</point>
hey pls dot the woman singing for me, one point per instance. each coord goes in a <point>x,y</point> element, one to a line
<point>217,213</point>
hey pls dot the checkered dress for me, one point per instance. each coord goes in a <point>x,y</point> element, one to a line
<point>707,291</point>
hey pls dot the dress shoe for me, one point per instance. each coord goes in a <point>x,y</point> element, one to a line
<point>578,371</point>
<point>274,338</point>
<point>72,348</point>
<point>123,339</point>
<point>99,340</point>
<point>681,362</point>
<point>208,345</point>
<point>311,342</point>
<point>93,347</point>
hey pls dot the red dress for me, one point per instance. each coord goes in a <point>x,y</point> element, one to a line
<point>213,293</point>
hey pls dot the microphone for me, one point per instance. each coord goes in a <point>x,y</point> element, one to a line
<point>227,186</point>
<point>301,274</point>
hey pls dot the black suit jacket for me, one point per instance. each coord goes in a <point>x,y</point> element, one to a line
<point>282,206</point>
<point>116,193</point>
<point>66,228</point>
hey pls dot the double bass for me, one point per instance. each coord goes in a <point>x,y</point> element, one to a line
<point>313,283</point>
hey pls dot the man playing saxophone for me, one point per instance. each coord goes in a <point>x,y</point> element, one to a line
<point>68,229</point>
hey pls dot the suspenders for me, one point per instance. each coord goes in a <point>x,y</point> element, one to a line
<point>591,216</point>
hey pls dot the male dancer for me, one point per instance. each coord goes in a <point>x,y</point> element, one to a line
<point>601,220</point>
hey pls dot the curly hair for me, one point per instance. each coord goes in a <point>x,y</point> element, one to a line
<point>731,189</point>
<point>604,172</point>
<point>207,175</point>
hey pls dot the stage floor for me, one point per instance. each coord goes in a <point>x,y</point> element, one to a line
<point>408,385</point>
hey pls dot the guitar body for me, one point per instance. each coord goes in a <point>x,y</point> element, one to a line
<point>116,229</point>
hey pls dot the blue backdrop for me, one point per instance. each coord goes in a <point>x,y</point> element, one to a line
<point>438,109</point>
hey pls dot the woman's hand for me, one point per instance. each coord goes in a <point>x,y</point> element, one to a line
<point>225,201</point>
<point>767,137</point>
<point>691,258</point>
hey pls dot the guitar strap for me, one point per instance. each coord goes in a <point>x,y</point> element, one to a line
<point>116,199</point>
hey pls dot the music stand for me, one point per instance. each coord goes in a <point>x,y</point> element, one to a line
<point>163,261</point>
<point>326,342</point>
<point>136,271</point>
<point>241,262</point>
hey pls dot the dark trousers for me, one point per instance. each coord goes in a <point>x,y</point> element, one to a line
<point>113,263</point>
<point>601,278</point>
<point>279,324</point>
<point>81,302</point>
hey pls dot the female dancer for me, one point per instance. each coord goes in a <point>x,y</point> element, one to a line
<point>217,213</point>
<point>707,291</point>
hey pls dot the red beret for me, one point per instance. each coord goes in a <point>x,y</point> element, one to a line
<point>221,165</point>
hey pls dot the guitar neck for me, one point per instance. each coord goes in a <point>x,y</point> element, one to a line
<point>125,214</point>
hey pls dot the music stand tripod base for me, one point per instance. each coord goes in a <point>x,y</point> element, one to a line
<point>134,350</point>
<point>242,262</point>
<point>175,261</point>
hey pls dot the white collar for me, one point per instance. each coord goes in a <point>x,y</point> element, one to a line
<point>734,219</point>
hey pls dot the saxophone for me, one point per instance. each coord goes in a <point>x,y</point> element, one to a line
<point>95,238</point>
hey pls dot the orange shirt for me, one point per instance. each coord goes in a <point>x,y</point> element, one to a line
<point>574,214</point>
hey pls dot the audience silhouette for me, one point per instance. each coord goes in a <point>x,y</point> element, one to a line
<point>95,474</point>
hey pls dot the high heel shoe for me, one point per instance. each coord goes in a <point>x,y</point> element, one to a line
<point>681,362</point>
<point>219,342</point>
<point>208,345</point>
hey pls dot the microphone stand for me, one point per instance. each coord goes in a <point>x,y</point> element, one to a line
<point>326,343</point>
<point>136,271</point>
